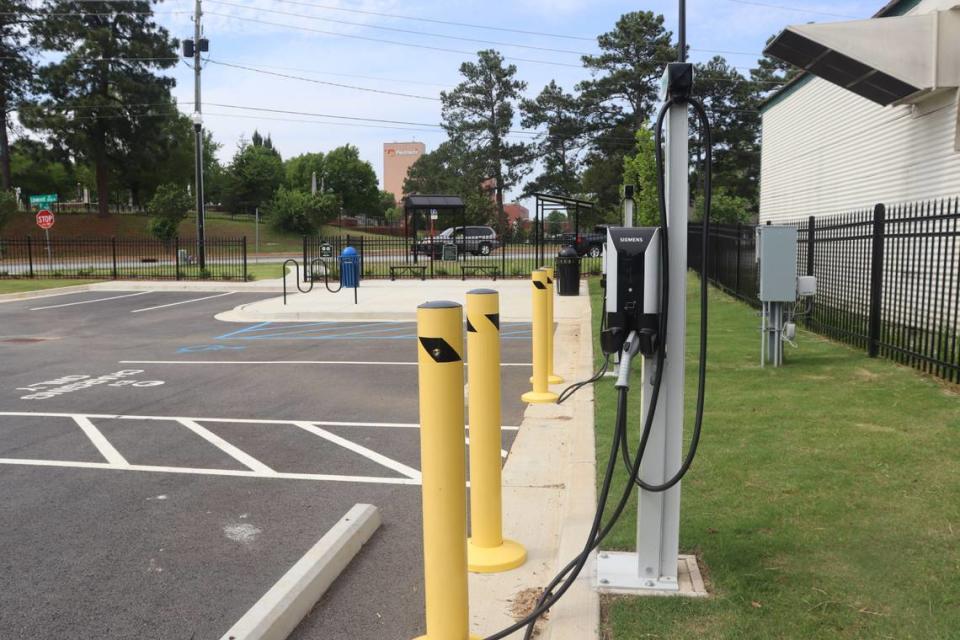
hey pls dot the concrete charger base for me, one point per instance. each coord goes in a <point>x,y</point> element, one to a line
<point>509,555</point>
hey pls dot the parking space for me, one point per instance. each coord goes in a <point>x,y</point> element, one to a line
<point>163,469</point>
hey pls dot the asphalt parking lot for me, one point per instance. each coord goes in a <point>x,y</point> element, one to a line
<point>162,469</point>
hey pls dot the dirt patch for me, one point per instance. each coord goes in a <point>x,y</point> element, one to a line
<point>524,602</point>
<point>874,428</point>
<point>864,374</point>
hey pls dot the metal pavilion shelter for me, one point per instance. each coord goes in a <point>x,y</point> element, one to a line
<point>416,204</point>
<point>546,202</point>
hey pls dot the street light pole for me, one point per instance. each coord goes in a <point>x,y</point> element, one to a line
<point>198,133</point>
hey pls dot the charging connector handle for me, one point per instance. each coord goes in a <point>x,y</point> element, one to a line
<point>630,348</point>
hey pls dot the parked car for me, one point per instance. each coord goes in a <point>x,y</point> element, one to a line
<point>479,241</point>
<point>588,244</point>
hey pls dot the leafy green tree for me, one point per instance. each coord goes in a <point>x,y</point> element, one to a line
<point>555,222</point>
<point>353,179</point>
<point>478,113</point>
<point>387,202</point>
<point>36,169</point>
<point>620,97</point>
<point>640,170</point>
<point>102,94</point>
<point>725,208</point>
<point>16,73</point>
<point>252,178</point>
<point>168,208</point>
<point>454,169</point>
<point>300,169</point>
<point>733,108</point>
<point>300,211</point>
<point>561,142</point>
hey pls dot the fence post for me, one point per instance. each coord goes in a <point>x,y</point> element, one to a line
<point>503,257</point>
<point>811,235</point>
<point>30,254</point>
<point>113,246</point>
<point>244,258</point>
<point>176,253</point>
<point>739,237</point>
<point>876,280</point>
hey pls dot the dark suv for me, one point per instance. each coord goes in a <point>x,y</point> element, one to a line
<point>479,241</point>
<point>587,244</point>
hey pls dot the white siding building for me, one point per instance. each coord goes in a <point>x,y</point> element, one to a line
<point>826,150</point>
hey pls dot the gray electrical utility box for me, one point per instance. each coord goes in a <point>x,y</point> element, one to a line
<point>777,255</point>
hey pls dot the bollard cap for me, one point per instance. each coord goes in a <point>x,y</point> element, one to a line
<point>439,304</point>
<point>482,292</point>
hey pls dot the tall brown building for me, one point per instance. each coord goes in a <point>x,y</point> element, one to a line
<point>398,157</point>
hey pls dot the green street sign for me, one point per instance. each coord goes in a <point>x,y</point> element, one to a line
<point>43,200</point>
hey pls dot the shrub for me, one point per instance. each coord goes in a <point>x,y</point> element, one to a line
<point>301,212</point>
<point>167,209</point>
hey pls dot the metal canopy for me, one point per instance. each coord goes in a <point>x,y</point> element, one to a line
<point>885,60</point>
<point>550,202</point>
<point>438,202</point>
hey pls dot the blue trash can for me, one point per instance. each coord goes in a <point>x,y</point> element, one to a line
<point>350,268</point>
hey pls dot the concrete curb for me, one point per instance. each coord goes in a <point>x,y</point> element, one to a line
<point>46,293</point>
<point>283,607</point>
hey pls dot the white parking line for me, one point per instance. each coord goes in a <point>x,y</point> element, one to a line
<point>236,473</point>
<point>70,304</point>
<point>100,442</point>
<point>323,423</point>
<point>240,456</point>
<point>369,454</point>
<point>173,304</point>
<point>299,362</point>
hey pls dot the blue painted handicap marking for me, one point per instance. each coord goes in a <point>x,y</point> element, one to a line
<point>349,331</point>
<point>209,347</point>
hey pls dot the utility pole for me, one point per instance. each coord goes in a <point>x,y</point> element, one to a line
<point>193,49</point>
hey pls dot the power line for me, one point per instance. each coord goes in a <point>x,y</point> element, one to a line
<point>435,21</point>
<point>399,30</point>
<point>345,75</point>
<point>380,40</point>
<point>794,9</point>
<point>332,84</point>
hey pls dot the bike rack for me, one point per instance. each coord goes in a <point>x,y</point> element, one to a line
<point>313,263</point>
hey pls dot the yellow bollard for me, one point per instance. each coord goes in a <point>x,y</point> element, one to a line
<point>541,392</point>
<point>487,551</point>
<point>552,378</point>
<point>440,338</point>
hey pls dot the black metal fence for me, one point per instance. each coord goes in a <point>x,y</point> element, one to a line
<point>888,278</point>
<point>395,258</point>
<point>122,258</point>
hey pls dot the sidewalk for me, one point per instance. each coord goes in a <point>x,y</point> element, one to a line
<point>549,494</point>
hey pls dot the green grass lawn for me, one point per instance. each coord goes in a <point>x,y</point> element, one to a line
<point>18,286</point>
<point>824,502</point>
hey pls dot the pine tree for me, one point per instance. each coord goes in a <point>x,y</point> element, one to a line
<point>478,114</point>
<point>561,142</point>
<point>16,72</point>
<point>103,96</point>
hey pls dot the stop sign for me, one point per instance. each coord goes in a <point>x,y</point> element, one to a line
<point>44,219</point>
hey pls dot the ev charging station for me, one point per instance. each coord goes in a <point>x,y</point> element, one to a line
<point>634,286</point>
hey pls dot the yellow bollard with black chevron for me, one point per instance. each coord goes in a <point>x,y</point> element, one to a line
<point>440,360</point>
<point>487,551</point>
<point>541,393</point>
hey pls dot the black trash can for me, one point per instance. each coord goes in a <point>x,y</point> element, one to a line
<point>568,272</point>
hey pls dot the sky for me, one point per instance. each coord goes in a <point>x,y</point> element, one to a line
<point>344,42</point>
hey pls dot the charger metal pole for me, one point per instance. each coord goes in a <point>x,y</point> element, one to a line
<point>658,514</point>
